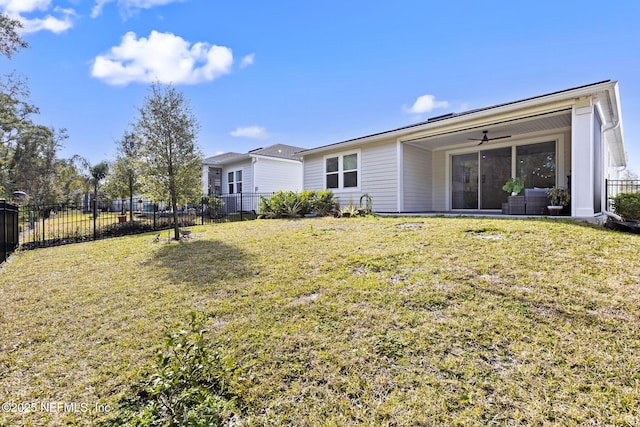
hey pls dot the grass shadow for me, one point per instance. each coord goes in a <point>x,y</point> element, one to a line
<point>201,262</point>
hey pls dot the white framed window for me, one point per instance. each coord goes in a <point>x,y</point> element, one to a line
<point>342,171</point>
<point>235,181</point>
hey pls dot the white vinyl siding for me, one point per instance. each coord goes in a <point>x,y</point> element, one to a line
<point>313,172</point>
<point>247,177</point>
<point>275,175</point>
<point>439,177</point>
<point>377,176</point>
<point>416,179</point>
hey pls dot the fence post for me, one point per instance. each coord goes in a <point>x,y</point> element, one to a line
<point>155,213</point>
<point>4,237</point>
<point>606,194</point>
<point>241,207</point>
<point>95,210</point>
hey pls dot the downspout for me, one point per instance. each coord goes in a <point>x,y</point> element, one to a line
<point>605,211</point>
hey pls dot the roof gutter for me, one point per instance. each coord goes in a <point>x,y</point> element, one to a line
<point>616,127</point>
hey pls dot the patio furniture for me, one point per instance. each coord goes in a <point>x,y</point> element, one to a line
<point>536,201</point>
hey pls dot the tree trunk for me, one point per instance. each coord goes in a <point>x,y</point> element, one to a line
<point>176,226</point>
<point>130,198</point>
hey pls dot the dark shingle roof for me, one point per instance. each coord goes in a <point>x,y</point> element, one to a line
<point>280,151</point>
<point>224,158</point>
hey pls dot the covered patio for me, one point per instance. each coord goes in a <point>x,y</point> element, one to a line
<point>570,139</point>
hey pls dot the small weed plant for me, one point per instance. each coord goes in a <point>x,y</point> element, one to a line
<point>186,386</point>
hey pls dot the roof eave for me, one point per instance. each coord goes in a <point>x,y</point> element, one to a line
<point>548,102</point>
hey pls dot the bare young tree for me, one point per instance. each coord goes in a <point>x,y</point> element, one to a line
<point>167,131</point>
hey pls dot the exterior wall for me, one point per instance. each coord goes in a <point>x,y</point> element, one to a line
<point>416,179</point>
<point>247,176</point>
<point>377,176</point>
<point>582,189</point>
<point>274,175</point>
<point>205,179</point>
<point>439,171</point>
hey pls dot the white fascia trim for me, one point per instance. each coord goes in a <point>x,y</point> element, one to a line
<point>400,172</point>
<point>277,159</point>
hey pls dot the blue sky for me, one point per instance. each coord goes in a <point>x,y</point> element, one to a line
<point>310,73</point>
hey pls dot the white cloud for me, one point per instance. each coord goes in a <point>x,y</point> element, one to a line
<point>247,60</point>
<point>51,23</point>
<point>16,7</point>
<point>425,104</point>
<point>162,57</point>
<point>128,7</point>
<point>56,24</point>
<point>253,132</point>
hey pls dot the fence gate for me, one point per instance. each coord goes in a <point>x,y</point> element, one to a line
<point>8,229</point>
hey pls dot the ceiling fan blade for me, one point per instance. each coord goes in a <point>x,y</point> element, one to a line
<point>500,137</point>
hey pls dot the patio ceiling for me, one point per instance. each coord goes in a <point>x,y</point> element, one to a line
<point>517,128</point>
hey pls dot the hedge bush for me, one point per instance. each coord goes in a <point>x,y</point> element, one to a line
<point>627,205</point>
<point>291,204</point>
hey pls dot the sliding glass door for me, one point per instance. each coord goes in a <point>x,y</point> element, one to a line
<point>477,178</point>
<point>495,170</point>
<point>464,181</point>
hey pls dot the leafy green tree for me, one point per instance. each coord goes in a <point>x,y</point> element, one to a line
<point>15,122</point>
<point>12,109</point>
<point>71,182</point>
<point>171,159</point>
<point>10,39</point>
<point>124,177</point>
<point>34,166</point>
<point>92,177</point>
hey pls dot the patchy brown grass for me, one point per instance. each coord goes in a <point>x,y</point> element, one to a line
<point>434,321</point>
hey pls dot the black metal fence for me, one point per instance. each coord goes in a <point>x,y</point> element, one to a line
<point>618,186</point>
<point>8,229</point>
<point>233,207</point>
<point>41,226</point>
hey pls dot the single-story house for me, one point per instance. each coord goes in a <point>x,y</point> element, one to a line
<point>263,170</point>
<point>460,162</point>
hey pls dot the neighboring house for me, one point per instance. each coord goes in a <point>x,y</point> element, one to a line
<point>571,138</point>
<point>263,170</point>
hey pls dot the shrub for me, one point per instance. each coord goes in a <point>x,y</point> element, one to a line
<point>186,386</point>
<point>324,202</point>
<point>627,205</point>
<point>290,204</point>
<point>214,204</point>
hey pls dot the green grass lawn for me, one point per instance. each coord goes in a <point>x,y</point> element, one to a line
<point>376,321</point>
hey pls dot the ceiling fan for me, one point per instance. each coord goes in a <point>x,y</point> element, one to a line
<point>485,138</point>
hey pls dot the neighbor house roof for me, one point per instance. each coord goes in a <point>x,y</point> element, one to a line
<point>278,151</point>
<point>605,91</point>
